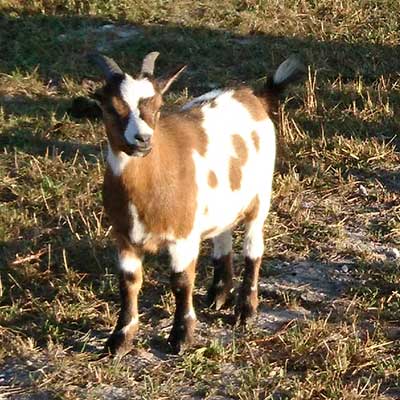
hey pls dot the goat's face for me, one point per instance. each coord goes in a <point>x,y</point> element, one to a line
<point>131,107</point>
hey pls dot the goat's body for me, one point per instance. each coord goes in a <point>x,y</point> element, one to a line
<point>236,170</point>
<point>174,180</point>
<point>210,175</point>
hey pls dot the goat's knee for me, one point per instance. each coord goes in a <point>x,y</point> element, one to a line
<point>247,301</point>
<point>221,289</point>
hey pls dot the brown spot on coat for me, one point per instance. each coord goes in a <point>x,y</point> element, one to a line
<point>251,211</point>
<point>256,140</point>
<point>256,106</point>
<point>236,163</point>
<point>235,173</point>
<point>212,179</point>
<point>240,148</point>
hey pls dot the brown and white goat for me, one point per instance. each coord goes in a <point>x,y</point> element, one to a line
<point>175,179</point>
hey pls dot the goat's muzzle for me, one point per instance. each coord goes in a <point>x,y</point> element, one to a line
<point>141,148</point>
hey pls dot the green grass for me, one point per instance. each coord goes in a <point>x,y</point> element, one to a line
<point>336,201</point>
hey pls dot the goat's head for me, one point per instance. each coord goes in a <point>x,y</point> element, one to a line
<point>131,106</point>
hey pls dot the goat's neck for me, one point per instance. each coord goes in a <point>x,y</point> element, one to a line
<point>142,169</point>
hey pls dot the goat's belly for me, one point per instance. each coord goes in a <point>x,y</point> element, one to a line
<point>223,216</point>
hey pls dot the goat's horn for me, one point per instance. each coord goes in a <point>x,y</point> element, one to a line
<point>108,66</point>
<point>148,63</point>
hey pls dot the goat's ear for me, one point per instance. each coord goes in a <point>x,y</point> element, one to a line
<point>165,82</point>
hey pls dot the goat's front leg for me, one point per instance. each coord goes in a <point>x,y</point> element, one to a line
<point>130,282</point>
<point>183,258</point>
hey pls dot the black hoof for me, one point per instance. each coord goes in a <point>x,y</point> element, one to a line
<point>181,336</point>
<point>220,297</point>
<point>244,312</point>
<point>118,344</point>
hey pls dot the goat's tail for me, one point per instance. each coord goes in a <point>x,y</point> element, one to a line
<point>291,70</point>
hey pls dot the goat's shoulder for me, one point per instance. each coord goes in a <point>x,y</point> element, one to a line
<point>181,132</point>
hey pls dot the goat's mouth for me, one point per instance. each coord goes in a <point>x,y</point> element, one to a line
<point>138,150</point>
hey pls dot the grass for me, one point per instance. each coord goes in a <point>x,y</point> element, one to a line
<point>336,201</point>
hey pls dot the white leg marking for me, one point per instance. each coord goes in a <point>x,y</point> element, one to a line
<point>129,263</point>
<point>190,314</point>
<point>183,252</point>
<point>222,244</point>
<point>133,322</point>
<point>254,242</point>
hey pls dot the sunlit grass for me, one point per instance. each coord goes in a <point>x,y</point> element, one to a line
<point>336,200</point>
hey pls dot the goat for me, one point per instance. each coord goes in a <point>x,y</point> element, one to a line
<point>175,179</point>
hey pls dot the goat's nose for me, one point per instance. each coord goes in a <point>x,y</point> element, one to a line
<point>143,138</point>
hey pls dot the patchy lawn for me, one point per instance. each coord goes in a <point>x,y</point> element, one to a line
<point>329,320</point>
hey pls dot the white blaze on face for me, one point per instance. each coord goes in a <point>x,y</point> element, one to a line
<point>133,90</point>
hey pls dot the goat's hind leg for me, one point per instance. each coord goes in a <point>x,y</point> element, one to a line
<point>130,281</point>
<point>247,300</point>
<point>220,292</point>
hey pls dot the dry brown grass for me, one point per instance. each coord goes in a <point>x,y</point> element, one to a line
<point>336,203</point>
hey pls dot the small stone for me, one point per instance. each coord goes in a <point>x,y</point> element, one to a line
<point>312,297</point>
<point>363,191</point>
<point>393,253</point>
<point>345,269</point>
<point>308,204</point>
<point>393,333</point>
<point>107,27</point>
<point>126,33</point>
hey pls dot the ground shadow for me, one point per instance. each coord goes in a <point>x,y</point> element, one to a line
<point>215,57</point>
